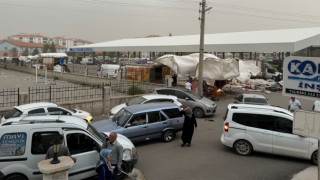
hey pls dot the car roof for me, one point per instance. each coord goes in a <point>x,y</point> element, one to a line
<point>245,95</point>
<point>150,106</point>
<point>158,96</point>
<point>256,107</point>
<point>52,118</point>
<point>35,105</point>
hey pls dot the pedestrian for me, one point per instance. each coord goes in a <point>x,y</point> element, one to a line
<point>105,168</point>
<point>194,86</point>
<point>190,123</point>
<point>294,104</point>
<point>116,153</point>
<point>188,85</point>
<point>62,150</point>
<point>174,80</point>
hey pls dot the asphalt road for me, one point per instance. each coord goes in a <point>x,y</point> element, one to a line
<point>208,159</point>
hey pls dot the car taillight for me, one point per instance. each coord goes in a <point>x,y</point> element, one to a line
<point>226,127</point>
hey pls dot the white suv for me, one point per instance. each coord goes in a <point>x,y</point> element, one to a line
<point>268,129</point>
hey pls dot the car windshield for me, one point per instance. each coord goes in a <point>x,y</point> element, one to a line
<point>193,95</point>
<point>121,117</point>
<point>13,113</point>
<point>255,101</point>
<point>95,133</point>
<point>137,100</point>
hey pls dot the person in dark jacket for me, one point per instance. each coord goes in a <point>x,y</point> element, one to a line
<point>189,124</point>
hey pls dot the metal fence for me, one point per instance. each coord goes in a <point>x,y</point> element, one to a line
<point>132,88</point>
<point>9,97</point>
<point>65,93</point>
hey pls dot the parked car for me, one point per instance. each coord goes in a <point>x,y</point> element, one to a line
<point>267,129</point>
<point>143,122</point>
<point>34,134</point>
<point>152,98</point>
<point>201,106</point>
<point>41,108</point>
<point>251,99</point>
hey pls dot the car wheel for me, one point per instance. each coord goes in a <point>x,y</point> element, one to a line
<point>16,177</point>
<point>243,147</point>
<point>168,135</point>
<point>198,112</point>
<point>314,158</point>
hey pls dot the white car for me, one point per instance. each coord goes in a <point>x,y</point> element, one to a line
<point>267,129</point>
<point>41,108</point>
<point>152,98</point>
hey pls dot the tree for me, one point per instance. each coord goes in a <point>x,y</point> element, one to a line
<point>14,52</point>
<point>45,48</point>
<point>25,52</point>
<point>35,51</point>
<point>52,48</point>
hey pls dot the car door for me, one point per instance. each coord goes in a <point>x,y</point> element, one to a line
<point>156,124</point>
<point>259,131</point>
<point>185,99</point>
<point>40,143</point>
<point>85,149</point>
<point>136,128</point>
<point>286,143</point>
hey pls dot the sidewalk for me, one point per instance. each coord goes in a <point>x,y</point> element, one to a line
<point>310,173</point>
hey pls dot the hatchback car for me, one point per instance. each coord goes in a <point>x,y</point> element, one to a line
<point>143,122</point>
<point>152,98</point>
<point>251,99</point>
<point>267,129</point>
<point>201,106</point>
<point>41,108</point>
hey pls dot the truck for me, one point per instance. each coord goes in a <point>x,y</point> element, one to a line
<point>108,70</point>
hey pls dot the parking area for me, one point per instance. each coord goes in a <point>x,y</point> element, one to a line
<point>207,158</point>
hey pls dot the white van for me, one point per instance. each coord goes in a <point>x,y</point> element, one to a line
<point>108,70</point>
<point>267,129</point>
<point>23,144</point>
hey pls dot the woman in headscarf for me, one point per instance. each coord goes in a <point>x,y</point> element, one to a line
<point>105,169</point>
<point>189,124</point>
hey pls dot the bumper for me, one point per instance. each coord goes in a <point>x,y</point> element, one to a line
<point>210,111</point>
<point>131,164</point>
<point>226,141</point>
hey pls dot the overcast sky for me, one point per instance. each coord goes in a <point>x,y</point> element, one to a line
<point>105,20</point>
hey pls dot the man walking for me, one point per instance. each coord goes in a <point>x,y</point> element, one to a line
<point>294,104</point>
<point>116,152</point>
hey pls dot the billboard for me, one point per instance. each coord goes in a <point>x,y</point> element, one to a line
<point>301,77</point>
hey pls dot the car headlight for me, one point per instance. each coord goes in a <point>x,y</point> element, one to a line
<point>208,105</point>
<point>89,118</point>
<point>129,154</point>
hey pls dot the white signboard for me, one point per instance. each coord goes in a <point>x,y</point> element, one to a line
<point>301,77</point>
<point>306,123</point>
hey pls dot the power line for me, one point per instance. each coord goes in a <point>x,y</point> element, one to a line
<point>133,5</point>
<point>94,12</point>
<point>264,10</point>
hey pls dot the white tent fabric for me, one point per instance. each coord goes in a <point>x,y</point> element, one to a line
<point>247,69</point>
<point>183,66</point>
<point>219,69</point>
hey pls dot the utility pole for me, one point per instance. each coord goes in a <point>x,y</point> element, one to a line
<point>200,72</point>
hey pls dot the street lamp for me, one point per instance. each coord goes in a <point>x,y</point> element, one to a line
<point>56,146</point>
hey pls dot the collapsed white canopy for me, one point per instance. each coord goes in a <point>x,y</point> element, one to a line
<point>183,66</point>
